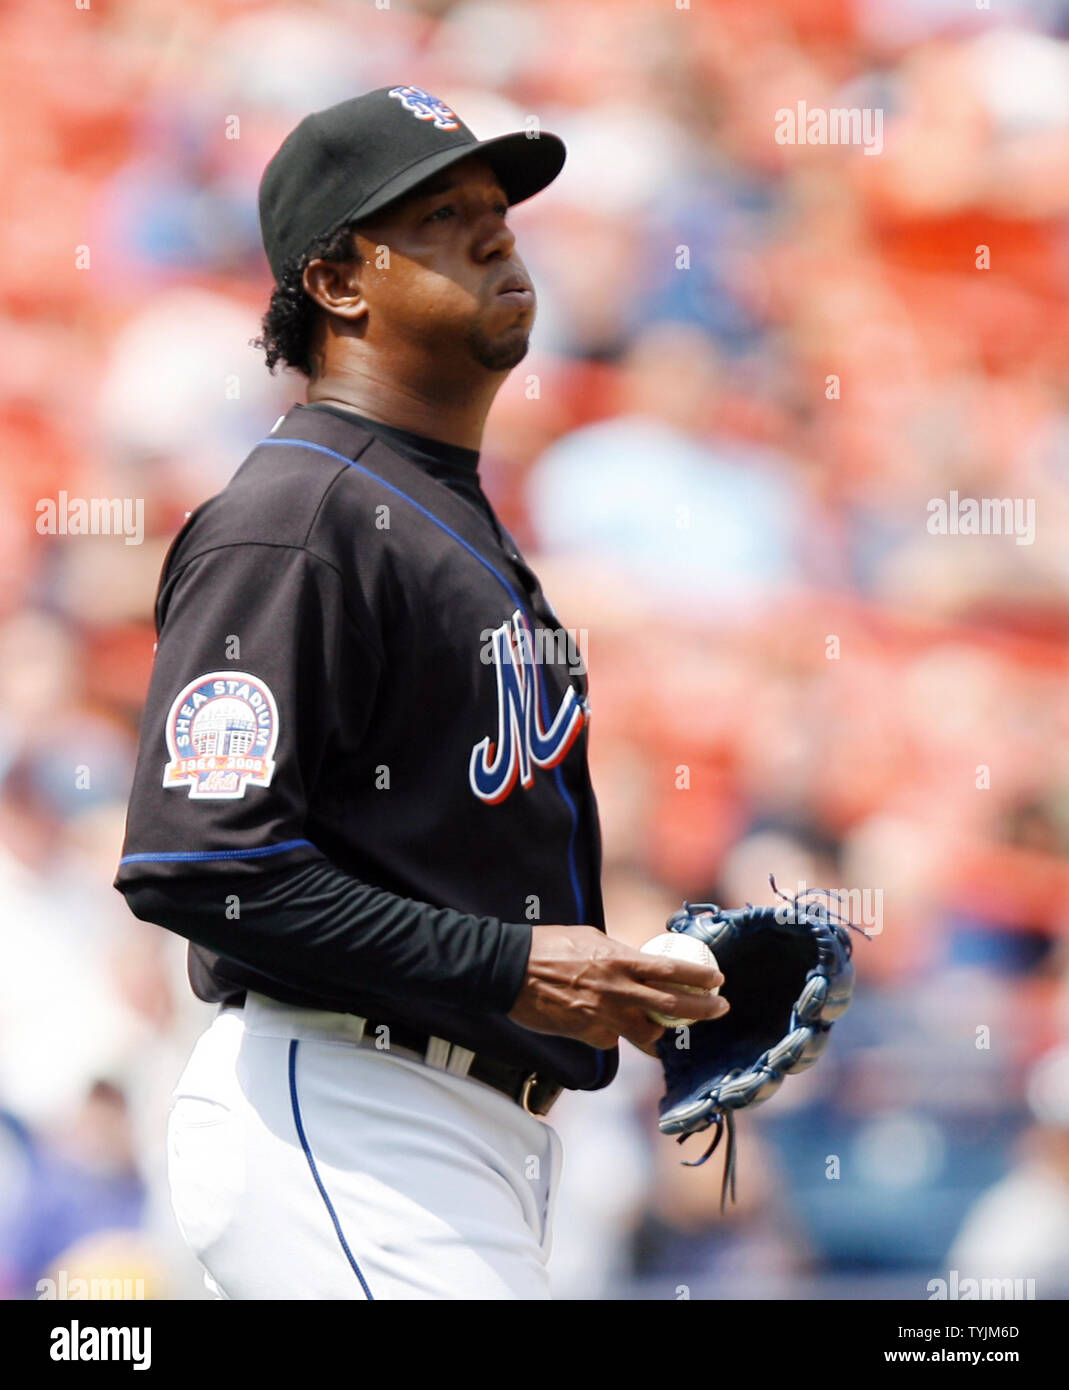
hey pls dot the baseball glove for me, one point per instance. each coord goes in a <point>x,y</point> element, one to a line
<point>788,975</point>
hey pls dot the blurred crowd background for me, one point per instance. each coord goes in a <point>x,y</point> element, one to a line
<point>754,368</point>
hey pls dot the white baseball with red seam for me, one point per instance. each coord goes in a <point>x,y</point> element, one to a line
<point>681,947</point>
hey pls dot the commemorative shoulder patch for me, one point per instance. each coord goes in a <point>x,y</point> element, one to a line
<point>222,729</point>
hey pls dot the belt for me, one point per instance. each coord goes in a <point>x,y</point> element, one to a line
<point>536,1094</point>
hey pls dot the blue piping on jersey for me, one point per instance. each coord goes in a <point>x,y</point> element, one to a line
<point>200,855</point>
<point>580,904</point>
<point>296,1106</point>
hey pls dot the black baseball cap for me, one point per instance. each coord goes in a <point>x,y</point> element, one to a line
<point>349,161</point>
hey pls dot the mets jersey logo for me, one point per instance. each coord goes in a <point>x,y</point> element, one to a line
<point>221,735</point>
<point>523,741</point>
<point>425,107</point>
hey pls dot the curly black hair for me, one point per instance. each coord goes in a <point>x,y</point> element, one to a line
<point>291,315</point>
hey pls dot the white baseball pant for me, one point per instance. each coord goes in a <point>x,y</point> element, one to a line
<point>303,1166</point>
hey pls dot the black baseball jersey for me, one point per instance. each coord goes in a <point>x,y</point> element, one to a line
<point>362,772</point>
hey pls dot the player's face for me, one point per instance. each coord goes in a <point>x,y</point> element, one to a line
<point>452,258</point>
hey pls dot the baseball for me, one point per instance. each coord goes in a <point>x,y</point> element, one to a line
<point>671,943</point>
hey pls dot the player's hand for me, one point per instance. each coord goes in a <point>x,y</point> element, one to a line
<point>581,984</point>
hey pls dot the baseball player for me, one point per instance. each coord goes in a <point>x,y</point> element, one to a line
<point>361,791</point>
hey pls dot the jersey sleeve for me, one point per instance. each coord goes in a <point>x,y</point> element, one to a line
<point>256,658</point>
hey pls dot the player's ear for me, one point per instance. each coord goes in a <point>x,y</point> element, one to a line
<point>337,286</point>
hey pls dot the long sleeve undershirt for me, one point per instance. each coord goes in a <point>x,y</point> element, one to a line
<point>317,930</point>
